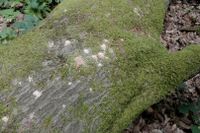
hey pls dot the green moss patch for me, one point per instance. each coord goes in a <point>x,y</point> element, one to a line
<point>143,72</point>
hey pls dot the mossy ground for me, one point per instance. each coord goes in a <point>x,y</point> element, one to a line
<point>145,71</point>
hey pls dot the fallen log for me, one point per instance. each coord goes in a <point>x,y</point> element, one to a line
<point>91,66</point>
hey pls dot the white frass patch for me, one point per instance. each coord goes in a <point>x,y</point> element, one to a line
<point>37,94</point>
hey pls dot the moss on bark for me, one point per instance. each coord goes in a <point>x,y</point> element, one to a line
<point>143,71</point>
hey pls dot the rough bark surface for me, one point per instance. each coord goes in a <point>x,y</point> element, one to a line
<point>91,66</point>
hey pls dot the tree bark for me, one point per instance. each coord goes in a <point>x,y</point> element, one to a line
<point>91,66</point>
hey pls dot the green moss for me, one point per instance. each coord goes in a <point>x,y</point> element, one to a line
<point>41,84</point>
<point>3,110</point>
<point>47,122</point>
<point>140,76</point>
<point>21,56</point>
<point>146,70</point>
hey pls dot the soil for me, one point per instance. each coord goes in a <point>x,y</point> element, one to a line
<point>181,29</point>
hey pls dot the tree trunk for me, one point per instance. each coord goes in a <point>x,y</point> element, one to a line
<point>91,66</point>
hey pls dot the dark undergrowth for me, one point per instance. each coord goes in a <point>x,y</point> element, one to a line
<point>19,16</point>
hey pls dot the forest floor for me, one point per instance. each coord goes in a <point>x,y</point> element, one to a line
<point>180,111</point>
